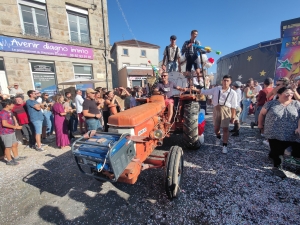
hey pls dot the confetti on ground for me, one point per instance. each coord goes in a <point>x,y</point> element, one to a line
<point>236,188</point>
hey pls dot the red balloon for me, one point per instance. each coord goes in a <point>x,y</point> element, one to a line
<point>211,60</point>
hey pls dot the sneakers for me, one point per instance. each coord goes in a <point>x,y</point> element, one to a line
<point>40,149</point>
<point>218,141</point>
<point>293,161</point>
<point>12,163</point>
<point>20,158</point>
<point>278,172</point>
<point>266,143</point>
<point>235,134</point>
<point>224,150</point>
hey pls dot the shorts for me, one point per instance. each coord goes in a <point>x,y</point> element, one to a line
<point>221,118</point>
<point>37,126</point>
<point>9,139</point>
<point>169,101</point>
<point>93,124</point>
<point>238,111</point>
<point>190,62</point>
<point>80,117</point>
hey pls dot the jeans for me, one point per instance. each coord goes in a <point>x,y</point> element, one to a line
<point>93,124</point>
<point>73,123</point>
<point>49,121</point>
<point>257,111</point>
<point>28,133</point>
<point>202,105</point>
<point>171,66</point>
<point>244,114</point>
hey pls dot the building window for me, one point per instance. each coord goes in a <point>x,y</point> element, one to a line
<point>125,51</point>
<point>34,18</point>
<point>83,71</point>
<point>44,76</point>
<point>143,53</point>
<point>78,25</point>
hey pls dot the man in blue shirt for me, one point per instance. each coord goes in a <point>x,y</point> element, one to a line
<point>36,117</point>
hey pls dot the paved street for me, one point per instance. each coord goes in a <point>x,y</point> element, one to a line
<point>237,188</point>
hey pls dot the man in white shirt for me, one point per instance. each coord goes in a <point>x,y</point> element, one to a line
<point>236,86</point>
<point>224,101</point>
<point>257,87</point>
<point>78,102</point>
<point>15,90</point>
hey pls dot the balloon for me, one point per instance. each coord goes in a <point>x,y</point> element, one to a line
<point>208,49</point>
<point>211,60</point>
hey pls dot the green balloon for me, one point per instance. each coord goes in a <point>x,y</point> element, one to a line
<point>218,52</point>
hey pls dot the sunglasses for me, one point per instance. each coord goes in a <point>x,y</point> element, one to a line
<point>164,75</point>
<point>47,95</point>
<point>277,85</point>
<point>289,93</point>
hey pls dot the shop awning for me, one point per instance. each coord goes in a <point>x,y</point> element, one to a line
<point>79,81</point>
<point>139,72</point>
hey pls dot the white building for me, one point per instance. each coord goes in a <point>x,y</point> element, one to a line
<point>131,67</point>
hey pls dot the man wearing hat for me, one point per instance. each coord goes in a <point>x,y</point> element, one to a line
<point>15,90</point>
<point>236,86</point>
<point>90,110</point>
<point>171,58</point>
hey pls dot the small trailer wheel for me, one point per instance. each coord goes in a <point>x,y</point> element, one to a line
<point>173,172</point>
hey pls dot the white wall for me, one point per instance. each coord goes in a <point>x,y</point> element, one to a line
<point>134,56</point>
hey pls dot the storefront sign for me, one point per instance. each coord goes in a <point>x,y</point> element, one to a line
<point>10,44</point>
<point>137,78</point>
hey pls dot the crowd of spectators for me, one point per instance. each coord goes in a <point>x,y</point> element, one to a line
<point>277,116</point>
<point>41,118</point>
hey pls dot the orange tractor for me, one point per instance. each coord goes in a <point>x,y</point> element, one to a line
<point>126,150</point>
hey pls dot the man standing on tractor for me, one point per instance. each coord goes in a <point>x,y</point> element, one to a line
<point>171,56</point>
<point>191,53</point>
<point>166,87</point>
<point>224,101</point>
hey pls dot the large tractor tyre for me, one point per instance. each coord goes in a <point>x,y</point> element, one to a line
<point>174,172</point>
<point>190,126</point>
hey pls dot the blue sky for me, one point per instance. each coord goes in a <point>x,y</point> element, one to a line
<point>224,25</point>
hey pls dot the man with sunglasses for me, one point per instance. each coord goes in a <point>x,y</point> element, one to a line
<point>90,111</point>
<point>171,58</point>
<point>166,87</point>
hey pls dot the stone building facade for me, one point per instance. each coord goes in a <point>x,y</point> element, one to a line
<point>45,42</point>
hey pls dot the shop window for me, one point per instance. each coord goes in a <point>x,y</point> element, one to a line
<point>83,71</point>
<point>1,64</point>
<point>143,53</point>
<point>34,18</point>
<point>78,25</point>
<point>125,51</point>
<point>44,76</point>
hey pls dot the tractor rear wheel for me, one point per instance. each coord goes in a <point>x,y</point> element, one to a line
<point>173,172</point>
<point>190,126</point>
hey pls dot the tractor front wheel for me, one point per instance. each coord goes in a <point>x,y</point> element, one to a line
<point>173,172</point>
<point>190,126</point>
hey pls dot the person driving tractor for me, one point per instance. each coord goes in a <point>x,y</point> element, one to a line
<point>166,87</point>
